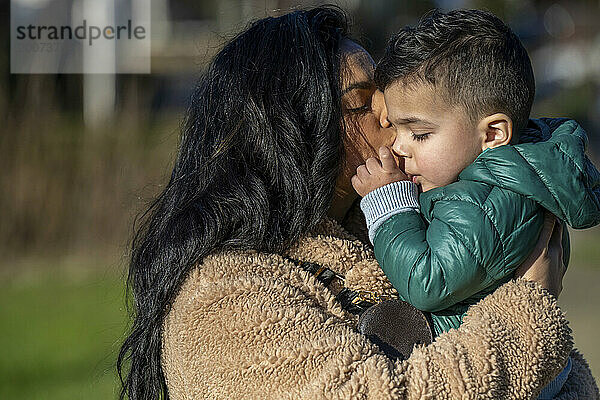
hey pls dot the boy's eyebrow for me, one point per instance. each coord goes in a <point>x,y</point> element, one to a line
<point>358,85</point>
<point>412,120</point>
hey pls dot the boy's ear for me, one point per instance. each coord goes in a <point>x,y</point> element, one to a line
<point>378,103</point>
<point>496,130</point>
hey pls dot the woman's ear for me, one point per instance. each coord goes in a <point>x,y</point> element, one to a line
<point>496,130</point>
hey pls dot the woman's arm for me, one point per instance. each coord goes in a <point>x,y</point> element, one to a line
<point>545,266</point>
<point>510,345</point>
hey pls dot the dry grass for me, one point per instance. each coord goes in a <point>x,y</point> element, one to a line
<point>66,189</point>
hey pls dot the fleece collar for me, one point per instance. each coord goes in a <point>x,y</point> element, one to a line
<point>333,246</point>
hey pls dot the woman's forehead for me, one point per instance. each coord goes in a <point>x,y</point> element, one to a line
<point>358,64</point>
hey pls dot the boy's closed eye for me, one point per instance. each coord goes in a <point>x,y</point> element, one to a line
<point>420,136</point>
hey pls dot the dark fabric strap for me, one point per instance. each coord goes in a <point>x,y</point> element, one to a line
<point>350,300</point>
<point>392,324</point>
<point>323,275</point>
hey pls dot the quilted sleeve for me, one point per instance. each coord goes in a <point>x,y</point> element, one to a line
<point>436,265</point>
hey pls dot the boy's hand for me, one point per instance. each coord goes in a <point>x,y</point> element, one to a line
<point>374,174</point>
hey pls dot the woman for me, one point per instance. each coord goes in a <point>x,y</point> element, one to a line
<point>276,128</point>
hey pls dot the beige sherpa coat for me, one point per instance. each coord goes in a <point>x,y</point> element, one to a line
<point>247,325</point>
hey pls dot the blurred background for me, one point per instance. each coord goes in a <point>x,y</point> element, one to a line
<point>81,156</point>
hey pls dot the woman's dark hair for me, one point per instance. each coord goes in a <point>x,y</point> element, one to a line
<point>260,150</point>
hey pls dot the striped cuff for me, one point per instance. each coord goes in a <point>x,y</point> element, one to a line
<point>388,200</point>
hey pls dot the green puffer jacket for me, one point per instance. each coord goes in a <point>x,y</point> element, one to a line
<point>471,235</point>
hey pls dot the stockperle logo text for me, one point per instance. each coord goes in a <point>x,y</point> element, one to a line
<point>82,32</point>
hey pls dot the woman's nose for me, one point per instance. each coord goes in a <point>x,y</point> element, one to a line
<point>378,104</point>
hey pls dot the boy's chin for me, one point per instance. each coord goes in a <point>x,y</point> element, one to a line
<point>425,186</point>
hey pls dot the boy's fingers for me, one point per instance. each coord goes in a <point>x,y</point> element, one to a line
<point>362,171</point>
<point>355,180</point>
<point>387,159</point>
<point>373,165</point>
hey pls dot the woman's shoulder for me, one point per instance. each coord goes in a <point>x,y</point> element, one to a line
<point>227,264</point>
<point>328,244</point>
<point>232,282</point>
<point>232,270</point>
<point>241,312</point>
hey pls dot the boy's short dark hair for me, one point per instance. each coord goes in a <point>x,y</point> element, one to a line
<point>472,55</point>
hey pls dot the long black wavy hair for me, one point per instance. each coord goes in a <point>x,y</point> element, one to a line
<point>260,150</point>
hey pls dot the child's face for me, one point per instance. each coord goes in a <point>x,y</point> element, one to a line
<point>435,140</point>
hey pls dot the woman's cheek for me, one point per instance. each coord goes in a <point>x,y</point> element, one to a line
<point>377,136</point>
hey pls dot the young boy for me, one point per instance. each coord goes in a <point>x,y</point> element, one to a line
<point>458,90</point>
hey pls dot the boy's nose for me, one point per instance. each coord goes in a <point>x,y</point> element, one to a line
<point>399,148</point>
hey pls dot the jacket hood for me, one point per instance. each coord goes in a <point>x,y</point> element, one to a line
<point>549,166</point>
